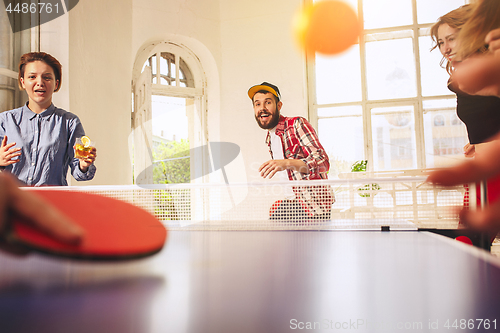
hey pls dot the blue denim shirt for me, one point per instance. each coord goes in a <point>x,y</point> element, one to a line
<point>46,141</point>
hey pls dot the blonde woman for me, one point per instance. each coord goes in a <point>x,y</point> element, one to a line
<point>479,73</point>
<point>480,114</point>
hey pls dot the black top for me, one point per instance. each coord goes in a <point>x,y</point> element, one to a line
<point>481,115</point>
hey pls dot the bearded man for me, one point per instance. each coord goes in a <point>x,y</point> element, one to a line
<point>296,154</point>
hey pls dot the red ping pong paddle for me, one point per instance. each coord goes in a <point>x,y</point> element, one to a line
<point>114,229</point>
<point>274,207</point>
<point>464,239</point>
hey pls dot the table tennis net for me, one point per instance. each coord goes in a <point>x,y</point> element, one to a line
<point>403,203</point>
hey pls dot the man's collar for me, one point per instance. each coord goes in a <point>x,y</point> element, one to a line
<point>280,128</point>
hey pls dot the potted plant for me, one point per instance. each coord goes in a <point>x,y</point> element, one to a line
<point>366,190</point>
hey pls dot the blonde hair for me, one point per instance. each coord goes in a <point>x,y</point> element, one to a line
<point>455,19</point>
<point>484,18</point>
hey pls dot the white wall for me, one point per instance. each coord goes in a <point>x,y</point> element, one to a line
<point>54,38</point>
<point>100,39</point>
<point>257,46</point>
<point>239,43</point>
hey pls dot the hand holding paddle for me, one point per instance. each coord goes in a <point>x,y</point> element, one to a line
<point>54,221</point>
<point>42,215</point>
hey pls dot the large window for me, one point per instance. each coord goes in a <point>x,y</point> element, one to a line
<point>168,117</point>
<point>386,98</point>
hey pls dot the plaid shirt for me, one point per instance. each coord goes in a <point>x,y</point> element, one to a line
<point>300,141</point>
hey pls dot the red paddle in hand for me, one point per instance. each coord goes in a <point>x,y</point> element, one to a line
<point>114,229</point>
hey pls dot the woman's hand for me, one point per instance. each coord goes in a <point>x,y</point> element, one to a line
<point>7,154</point>
<point>86,162</point>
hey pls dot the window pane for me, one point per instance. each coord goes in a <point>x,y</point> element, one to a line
<point>173,70</point>
<point>390,69</point>
<point>432,105</point>
<point>393,138</point>
<point>185,74</point>
<point>163,66</point>
<point>434,77</point>
<point>153,65</point>
<point>171,150</point>
<point>386,13</point>
<point>347,123</point>
<point>167,68</point>
<point>428,11</point>
<point>338,79</point>
<point>169,117</point>
<point>445,134</point>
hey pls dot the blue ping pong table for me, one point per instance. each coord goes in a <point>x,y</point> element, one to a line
<point>261,281</point>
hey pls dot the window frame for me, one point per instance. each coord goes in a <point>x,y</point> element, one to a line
<point>417,30</point>
<point>199,133</point>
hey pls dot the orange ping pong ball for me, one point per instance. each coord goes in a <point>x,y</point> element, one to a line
<point>327,27</point>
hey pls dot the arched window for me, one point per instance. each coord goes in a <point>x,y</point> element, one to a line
<point>168,117</point>
<point>173,70</point>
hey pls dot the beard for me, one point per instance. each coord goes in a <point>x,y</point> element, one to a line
<point>275,118</point>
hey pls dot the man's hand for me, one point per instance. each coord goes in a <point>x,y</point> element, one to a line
<point>7,154</point>
<point>482,167</point>
<point>37,211</point>
<point>269,168</point>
